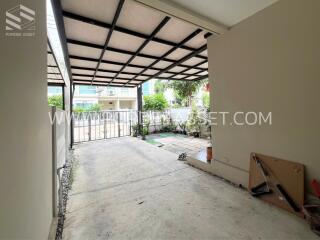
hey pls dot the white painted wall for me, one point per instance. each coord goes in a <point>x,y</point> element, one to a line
<point>269,62</point>
<point>25,143</point>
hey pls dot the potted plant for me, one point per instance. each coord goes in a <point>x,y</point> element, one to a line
<point>147,125</point>
<point>183,127</point>
<point>135,130</point>
<point>194,122</point>
<point>162,122</point>
<point>172,127</point>
<point>209,147</point>
<point>209,153</point>
<point>144,133</point>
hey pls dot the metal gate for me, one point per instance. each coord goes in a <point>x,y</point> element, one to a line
<point>90,126</point>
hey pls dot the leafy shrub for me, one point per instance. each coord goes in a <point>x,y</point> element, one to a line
<point>79,110</point>
<point>95,108</point>
<point>147,125</point>
<point>56,100</point>
<point>145,131</point>
<point>206,100</point>
<point>156,102</point>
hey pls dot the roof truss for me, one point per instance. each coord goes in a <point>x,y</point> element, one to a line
<point>108,64</point>
<point>54,75</point>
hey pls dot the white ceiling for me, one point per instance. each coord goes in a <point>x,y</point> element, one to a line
<point>226,12</point>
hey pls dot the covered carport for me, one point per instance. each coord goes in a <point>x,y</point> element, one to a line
<point>267,61</point>
<point>124,44</point>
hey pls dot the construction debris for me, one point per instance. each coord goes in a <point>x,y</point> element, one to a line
<point>277,181</point>
<point>182,157</point>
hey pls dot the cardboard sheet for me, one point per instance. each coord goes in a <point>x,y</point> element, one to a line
<point>289,174</point>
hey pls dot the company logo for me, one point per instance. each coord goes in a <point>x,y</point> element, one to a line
<point>20,21</point>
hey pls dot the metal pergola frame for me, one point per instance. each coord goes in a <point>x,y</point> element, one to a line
<point>57,10</point>
<point>57,79</point>
<point>61,80</point>
<point>136,79</point>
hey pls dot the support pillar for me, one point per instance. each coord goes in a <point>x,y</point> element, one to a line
<point>72,89</point>
<point>139,100</point>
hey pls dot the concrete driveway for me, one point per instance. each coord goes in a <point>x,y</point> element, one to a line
<point>125,188</point>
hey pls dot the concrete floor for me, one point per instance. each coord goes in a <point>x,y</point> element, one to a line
<point>128,189</point>
<point>178,143</point>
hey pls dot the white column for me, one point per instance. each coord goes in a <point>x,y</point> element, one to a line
<point>117,106</point>
<point>25,144</point>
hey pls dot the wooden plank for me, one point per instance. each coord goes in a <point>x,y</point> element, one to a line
<point>289,174</point>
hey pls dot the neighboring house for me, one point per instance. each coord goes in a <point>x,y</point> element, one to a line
<point>110,98</point>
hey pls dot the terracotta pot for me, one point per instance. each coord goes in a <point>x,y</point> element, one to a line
<point>209,154</point>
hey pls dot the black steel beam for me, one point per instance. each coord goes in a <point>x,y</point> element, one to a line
<point>55,84</point>
<point>105,82</point>
<point>63,98</point>
<point>122,78</point>
<point>96,84</point>
<point>114,21</point>
<point>139,103</point>
<point>93,45</point>
<point>208,34</point>
<point>188,38</point>
<point>201,78</point>
<point>124,30</point>
<point>143,45</point>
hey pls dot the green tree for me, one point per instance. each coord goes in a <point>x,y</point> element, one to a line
<point>185,89</point>
<point>160,86</point>
<point>156,102</point>
<point>206,100</point>
<point>56,100</point>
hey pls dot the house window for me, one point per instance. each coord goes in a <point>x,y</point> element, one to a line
<point>111,91</point>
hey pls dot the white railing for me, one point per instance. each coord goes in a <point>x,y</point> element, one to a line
<point>90,126</point>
